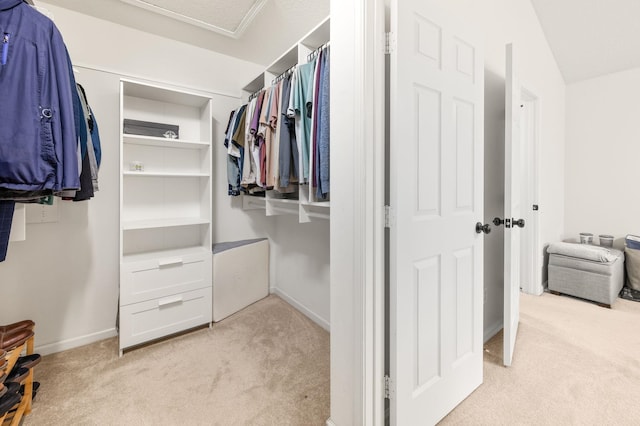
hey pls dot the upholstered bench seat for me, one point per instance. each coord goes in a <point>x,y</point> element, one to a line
<point>585,271</point>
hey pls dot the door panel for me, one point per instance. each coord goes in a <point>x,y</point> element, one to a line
<point>512,208</point>
<point>436,175</point>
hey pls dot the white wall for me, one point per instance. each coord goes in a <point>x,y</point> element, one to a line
<point>65,275</point>
<point>302,275</point>
<point>602,154</point>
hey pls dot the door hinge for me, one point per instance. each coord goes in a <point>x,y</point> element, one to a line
<point>389,43</point>
<point>388,216</point>
<point>387,386</point>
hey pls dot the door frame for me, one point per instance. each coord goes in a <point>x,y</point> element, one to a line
<point>357,213</point>
<point>532,263</point>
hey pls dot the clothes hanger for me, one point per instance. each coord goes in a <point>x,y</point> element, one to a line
<point>29,2</point>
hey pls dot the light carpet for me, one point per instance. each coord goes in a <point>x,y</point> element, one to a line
<point>575,363</point>
<point>266,365</point>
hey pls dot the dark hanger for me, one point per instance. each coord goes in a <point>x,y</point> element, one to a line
<point>29,2</point>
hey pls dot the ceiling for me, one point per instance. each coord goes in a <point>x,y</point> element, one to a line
<point>221,16</point>
<point>237,28</point>
<point>590,38</point>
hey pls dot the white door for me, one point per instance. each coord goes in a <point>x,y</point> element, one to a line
<point>436,172</point>
<point>512,208</point>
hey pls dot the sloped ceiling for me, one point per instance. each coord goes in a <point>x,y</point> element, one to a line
<point>590,38</point>
<point>271,30</point>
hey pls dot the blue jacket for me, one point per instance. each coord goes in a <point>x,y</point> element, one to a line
<point>38,142</point>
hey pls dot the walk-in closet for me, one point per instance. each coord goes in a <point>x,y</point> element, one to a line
<point>166,282</point>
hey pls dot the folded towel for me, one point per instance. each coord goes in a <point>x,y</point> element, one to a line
<point>585,251</point>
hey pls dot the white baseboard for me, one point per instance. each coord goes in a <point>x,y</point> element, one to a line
<point>492,330</point>
<point>76,342</point>
<point>299,306</point>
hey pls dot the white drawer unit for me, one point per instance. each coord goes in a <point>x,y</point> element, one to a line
<point>151,279</point>
<point>156,318</point>
<point>165,212</point>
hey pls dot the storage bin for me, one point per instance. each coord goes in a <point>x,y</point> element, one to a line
<point>148,128</point>
<point>606,240</point>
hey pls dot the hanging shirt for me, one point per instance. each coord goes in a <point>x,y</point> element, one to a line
<point>288,146</point>
<point>271,140</point>
<point>262,136</point>
<point>313,166</point>
<point>36,83</point>
<point>6,219</point>
<point>255,149</point>
<point>248,168</point>
<point>302,106</point>
<point>324,127</point>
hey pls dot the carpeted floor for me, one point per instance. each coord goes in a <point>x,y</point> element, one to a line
<point>266,365</point>
<point>575,363</point>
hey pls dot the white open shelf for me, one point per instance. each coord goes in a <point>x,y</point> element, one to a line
<point>164,142</point>
<point>162,223</point>
<point>165,213</point>
<point>306,207</point>
<point>163,174</point>
<point>161,93</point>
<point>163,254</point>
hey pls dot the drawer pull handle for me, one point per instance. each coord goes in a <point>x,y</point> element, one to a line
<point>169,301</point>
<point>170,262</point>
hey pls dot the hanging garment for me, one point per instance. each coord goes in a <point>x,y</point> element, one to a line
<point>313,166</point>
<point>288,158</point>
<point>248,167</point>
<point>291,114</point>
<point>323,127</point>
<point>235,152</point>
<point>303,105</point>
<point>35,81</point>
<point>255,149</point>
<point>91,154</point>
<point>271,137</point>
<point>262,136</point>
<point>6,219</point>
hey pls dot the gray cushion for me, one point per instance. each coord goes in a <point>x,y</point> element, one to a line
<point>220,247</point>
<point>585,251</point>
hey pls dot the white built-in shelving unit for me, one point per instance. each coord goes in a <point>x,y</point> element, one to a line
<point>165,214</point>
<point>305,206</point>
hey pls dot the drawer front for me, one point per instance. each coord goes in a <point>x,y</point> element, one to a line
<point>152,319</point>
<point>151,279</point>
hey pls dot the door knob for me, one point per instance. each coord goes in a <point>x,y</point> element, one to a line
<point>480,228</point>
<point>497,221</point>
<point>519,222</point>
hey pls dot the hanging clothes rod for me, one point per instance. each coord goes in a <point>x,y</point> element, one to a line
<point>254,95</point>
<point>284,75</point>
<point>315,53</point>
